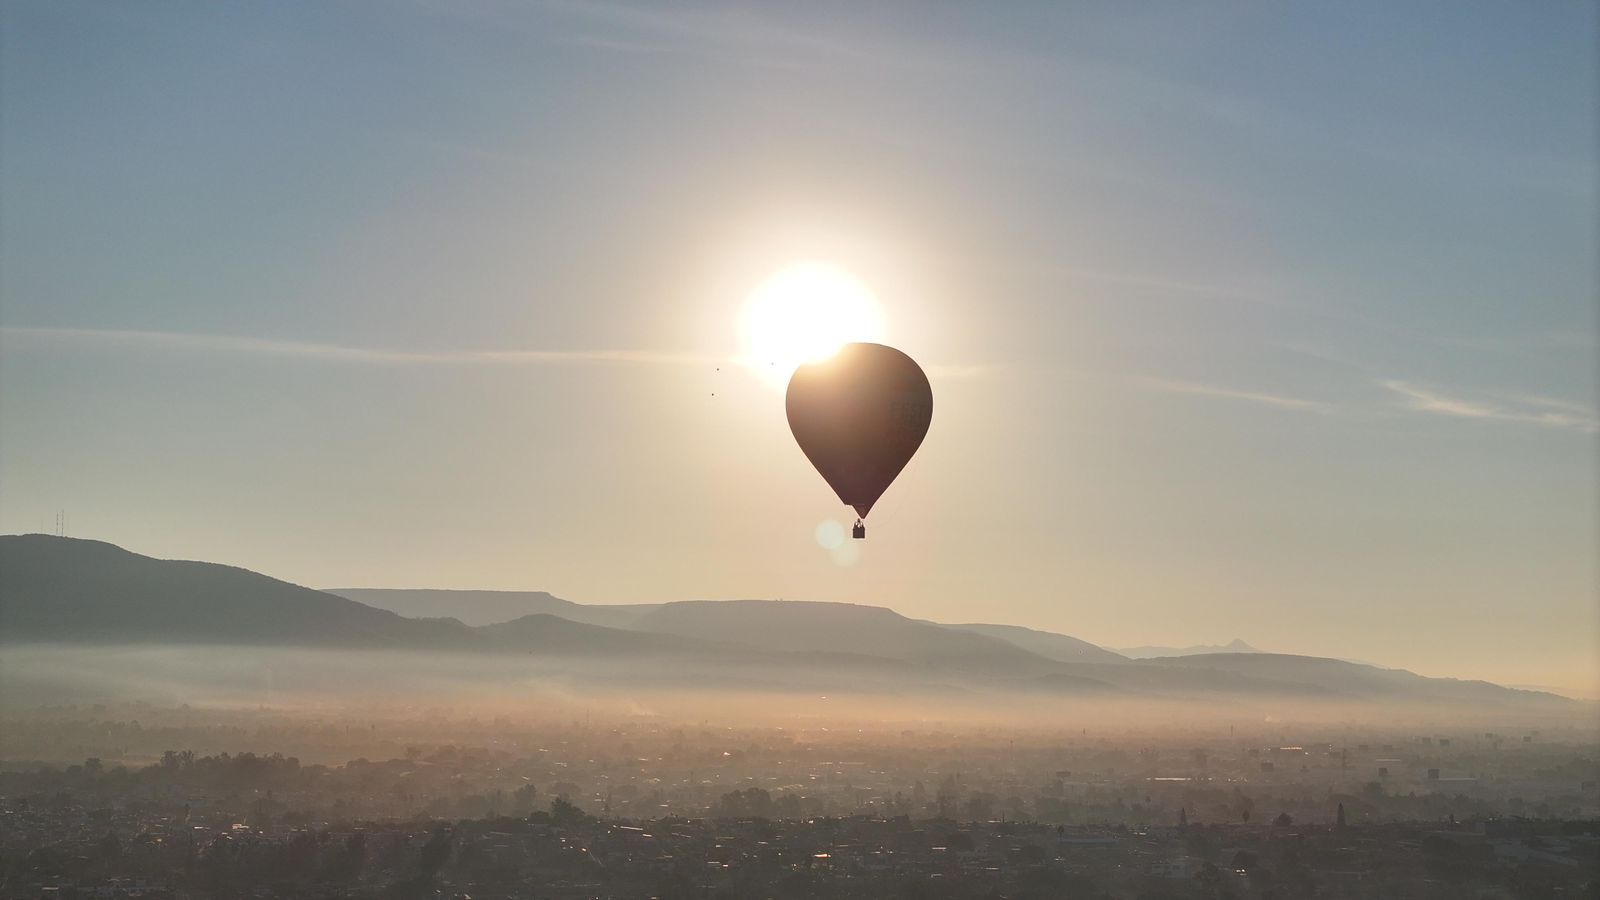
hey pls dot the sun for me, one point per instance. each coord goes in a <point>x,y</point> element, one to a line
<point>804,313</point>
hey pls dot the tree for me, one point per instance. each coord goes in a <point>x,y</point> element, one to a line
<point>788,807</point>
<point>749,803</point>
<point>1243,804</point>
<point>522,799</point>
<point>565,812</point>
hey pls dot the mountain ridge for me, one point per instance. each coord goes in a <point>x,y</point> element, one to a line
<point>1049,644</point>
<point>67,590</point>
<point>480,607</point>
<point>1237,645</point>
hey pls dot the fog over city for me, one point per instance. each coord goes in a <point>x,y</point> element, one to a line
<point>756,691</point>
<point>160,741</point>
<point>748,450</point>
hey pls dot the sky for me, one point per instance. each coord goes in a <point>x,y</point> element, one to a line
<point>1243,320</point>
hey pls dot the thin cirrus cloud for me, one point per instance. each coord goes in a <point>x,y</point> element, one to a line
<point>1518,409</point>
<point>219,343</point>
<point>340,353</point>
<point>1198,389</point>
<point>1509,408</point>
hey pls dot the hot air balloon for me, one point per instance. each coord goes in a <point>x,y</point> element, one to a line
<point>859,416</point>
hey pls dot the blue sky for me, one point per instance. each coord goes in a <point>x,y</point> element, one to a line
<point>1242,319</point>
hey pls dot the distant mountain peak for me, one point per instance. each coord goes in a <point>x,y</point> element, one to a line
<point>1237,645</point>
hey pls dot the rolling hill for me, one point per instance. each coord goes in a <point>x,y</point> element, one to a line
<point>1351,679</point>
<point>1048,644</point>
<point>491,607</point>
<point>67,591</point>
<point>1234,646</point>
<point>799,626</point>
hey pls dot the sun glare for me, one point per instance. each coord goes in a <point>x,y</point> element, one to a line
<point>805,313</point>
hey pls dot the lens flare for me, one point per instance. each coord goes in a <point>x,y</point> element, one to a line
<point>830,534</point>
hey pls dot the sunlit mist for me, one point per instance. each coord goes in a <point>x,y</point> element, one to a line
<point>804,313</point>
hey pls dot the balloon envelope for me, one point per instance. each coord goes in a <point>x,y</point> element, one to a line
<point>859,416</point>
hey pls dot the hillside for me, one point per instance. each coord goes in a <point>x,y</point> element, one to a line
<point>1354,679</point>
<point>491,607</point>
<point>1059,647</point>
<point>549,634</point>
<point>798,626</point>
<point>61,590</point>
<point>66,589</point>
<point>1234,646</point>
<point>55,589</point>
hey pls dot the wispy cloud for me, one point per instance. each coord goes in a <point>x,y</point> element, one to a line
<point>219,343</point>
<point>738,28</point>
<point>1531,342</point>
<point>1166,285</point>
<point>1512,408</point>
<point>1209,390</point>
<point>744,34</point>
<point>342,353</point>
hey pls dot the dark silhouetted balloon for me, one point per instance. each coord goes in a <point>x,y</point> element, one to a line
<point>859,416</point>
